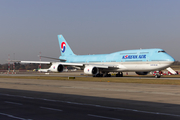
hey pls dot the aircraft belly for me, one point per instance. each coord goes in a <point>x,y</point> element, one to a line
<point>148,66</point>
<point>140,66</point>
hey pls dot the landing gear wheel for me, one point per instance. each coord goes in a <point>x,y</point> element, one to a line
<point>98,75</point>
<point>107,75</point>
<point>120,74</point>
<point>157,76</point>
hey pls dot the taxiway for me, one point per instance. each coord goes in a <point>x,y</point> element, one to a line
<point>57,99</point>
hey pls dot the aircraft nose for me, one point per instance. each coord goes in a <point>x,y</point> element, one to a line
<point>169,58</point>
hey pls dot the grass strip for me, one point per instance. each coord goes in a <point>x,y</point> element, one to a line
<point>125,79</point>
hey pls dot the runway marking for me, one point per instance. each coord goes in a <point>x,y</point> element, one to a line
<point>13,103</point>
<point>50,100</point>
<point>11,116</point>
<point>51,109</point>
<point>100,106</point>
<point>103,117</point>
<point>28,97</point>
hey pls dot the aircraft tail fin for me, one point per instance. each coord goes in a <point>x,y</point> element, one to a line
<point>64,47</point>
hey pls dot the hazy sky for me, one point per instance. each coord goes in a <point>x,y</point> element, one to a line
<point>89,26</point>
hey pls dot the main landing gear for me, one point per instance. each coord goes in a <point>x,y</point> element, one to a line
<point>107,75</point>
<point>120,74</point>
<point>98,75</point>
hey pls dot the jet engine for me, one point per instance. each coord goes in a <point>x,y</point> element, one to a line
<point>91,70</point>
<point>142,73</point>
<point>56,68</point>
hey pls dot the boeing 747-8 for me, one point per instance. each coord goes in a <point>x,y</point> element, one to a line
<point>141,61</point>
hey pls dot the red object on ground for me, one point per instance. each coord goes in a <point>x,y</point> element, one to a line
<point>160,72</point>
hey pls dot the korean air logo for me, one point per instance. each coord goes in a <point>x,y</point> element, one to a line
<point>134,57</point>
<point>63,47</point>
<point>125,56</point>
<point>54,67</point>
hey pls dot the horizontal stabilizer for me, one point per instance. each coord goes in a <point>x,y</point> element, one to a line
<point>52,58</point>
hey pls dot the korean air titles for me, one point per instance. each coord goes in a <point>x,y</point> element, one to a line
<point>134,57</point>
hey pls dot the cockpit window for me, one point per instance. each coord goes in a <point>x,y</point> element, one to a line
<point>161,51</point>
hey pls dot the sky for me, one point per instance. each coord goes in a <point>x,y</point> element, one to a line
<point>28,27</point>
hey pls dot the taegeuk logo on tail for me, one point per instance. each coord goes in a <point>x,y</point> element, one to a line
<point>63,47</point>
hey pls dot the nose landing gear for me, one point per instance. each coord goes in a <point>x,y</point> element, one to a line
<point>157,76</point>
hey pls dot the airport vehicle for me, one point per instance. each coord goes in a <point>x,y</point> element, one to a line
<point>158,72</point>
<point>141,61</point>
<point>169,73</point>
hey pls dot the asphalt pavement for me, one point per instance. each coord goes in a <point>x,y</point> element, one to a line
<point>23,99</point>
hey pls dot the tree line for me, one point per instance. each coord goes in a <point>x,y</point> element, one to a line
<point>19,66</point>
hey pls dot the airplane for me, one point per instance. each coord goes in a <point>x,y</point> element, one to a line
<point>140,61</point>
<point>48,70</point>
<point>43,70</point>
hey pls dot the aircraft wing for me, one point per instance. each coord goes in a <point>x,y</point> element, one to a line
<point>70,64</point>
<point>45,62</point>
<point>38,62</point>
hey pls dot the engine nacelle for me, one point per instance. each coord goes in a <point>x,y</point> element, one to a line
<point>56,68</point>
<point>91,70</point>
<point>142,73</point>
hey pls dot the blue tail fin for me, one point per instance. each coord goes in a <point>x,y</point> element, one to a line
<point>64,47</point>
